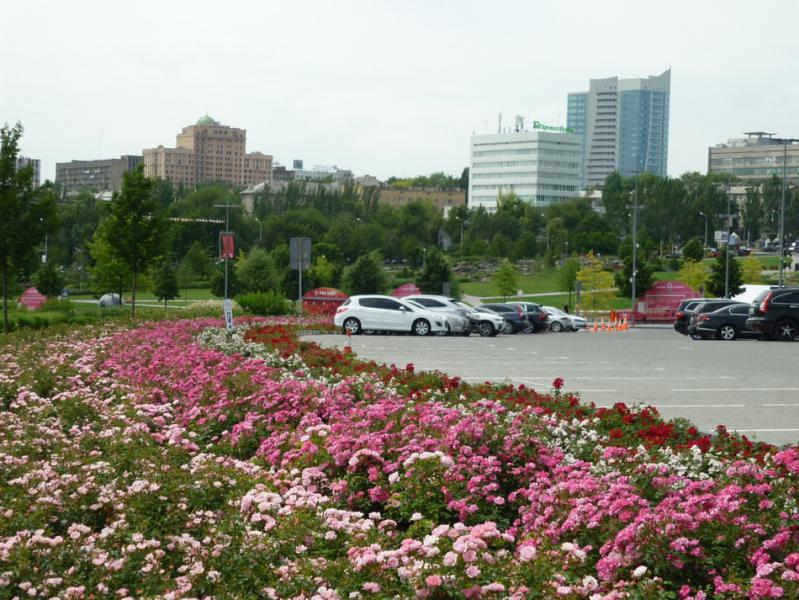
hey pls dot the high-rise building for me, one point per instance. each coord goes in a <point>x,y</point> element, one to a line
<point>541,167</point>
<point>208,152</point>
<point>624,125</point>
<point>756,157</point>
<point>24,161</point>
<point>94,175</point>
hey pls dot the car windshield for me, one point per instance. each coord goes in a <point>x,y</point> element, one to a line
<point>415,304</point>
<point>554,311</point>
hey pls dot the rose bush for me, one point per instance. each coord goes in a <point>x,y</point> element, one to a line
<point>175,460</point>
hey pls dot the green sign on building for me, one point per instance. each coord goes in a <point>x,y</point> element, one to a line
<point>558,128</point>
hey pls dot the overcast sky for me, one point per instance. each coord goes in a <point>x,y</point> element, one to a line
<point>384,88</point>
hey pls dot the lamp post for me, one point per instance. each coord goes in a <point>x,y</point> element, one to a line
<point>704,215</point>
<point>635,249</point>
<point>727,250</point>
<point>785,142</point>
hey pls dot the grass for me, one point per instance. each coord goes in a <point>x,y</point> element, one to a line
<point>186,297</point>
<point>542,282</point>
<point>559,301</point>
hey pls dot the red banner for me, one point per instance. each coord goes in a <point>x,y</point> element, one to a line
<point>227,247</point>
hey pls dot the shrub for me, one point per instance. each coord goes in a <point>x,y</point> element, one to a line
<point>264,303</point>
<point>208,308</point>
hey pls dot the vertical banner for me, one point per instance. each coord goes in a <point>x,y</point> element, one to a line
<point>226,246</point>
<point>228,305</point>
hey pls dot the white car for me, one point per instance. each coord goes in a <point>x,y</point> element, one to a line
<point>384,313</point>
<point>484,322</point>
<point>457,316</point>
<point>455,323</point>
<point>562,321</point>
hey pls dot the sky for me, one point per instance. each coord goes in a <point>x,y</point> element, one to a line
<point>378,87</point>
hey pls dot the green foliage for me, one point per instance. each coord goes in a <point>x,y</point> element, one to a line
<point>366,276</point>
<point>197,261</point>
<point>165,282</point>
<point>567,275</point>
<point>256,272</point>
<point>597,284</point>
<point>218,282</point>
<point>436,272</point>
<point>506,279</point>
<point>49,280</point>
<point>693,249</point>
<point>643,281</point>
<point>694,274</point>
<point>718,273</point>
<point>435,180</point>
<point>752,270</point>
<point>323,272</point>
<point>26,214</point>
<point>110,274</point>
<point>137,228</point>
<point>264,303</point>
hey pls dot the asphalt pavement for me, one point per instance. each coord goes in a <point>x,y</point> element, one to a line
<point>748,385</point>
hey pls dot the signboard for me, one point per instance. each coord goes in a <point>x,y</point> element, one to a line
<point>323,301</point>
<point>558,128</point>
<point>226,246</point>
<point>300,258</point>
<point>720,237</point>
<point>228,305</point>
<point>406,289</point>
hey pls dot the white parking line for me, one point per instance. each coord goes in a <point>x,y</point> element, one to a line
<point>785,404</point>
<point>660,405</point>
<point>763,430</point>
<point>740,389</point>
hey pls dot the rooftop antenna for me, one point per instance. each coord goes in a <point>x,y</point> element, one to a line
<point>499,124</point>
<point>518,123</point>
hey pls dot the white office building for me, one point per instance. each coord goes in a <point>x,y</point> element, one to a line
<point>541,167</point>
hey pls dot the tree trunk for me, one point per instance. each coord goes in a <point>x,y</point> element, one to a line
<point>5,299</point>
<point>133,295</point>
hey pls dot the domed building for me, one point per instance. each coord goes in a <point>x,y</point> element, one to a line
<point>208,152</point>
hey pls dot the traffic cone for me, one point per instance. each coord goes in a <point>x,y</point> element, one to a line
<point>625,325</point>
<point>594,329</point>
<point>348,344</point>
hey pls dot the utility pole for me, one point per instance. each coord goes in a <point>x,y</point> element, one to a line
<point>635,249</point>
<point>785,142</point>
<point>727,248</point>
<point>227,206</point>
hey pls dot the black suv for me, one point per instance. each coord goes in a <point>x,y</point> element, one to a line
<point>682,318</point>
<point>775,313</point>
<point>534,314</point>
<point>513,315</point>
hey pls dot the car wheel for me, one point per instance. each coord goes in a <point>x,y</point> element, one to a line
<point>529,329</point>
<point>726,333</point>
<point>785,330</point>
<point>447,331</point>
<point>556,326</point>
<point>695,336</point>
<point>353,326</point>
<point>486,329</point>
<point>421,327</point>
<point>507,328</point>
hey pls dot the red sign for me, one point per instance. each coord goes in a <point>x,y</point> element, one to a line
<point>660,302</point>
<point>227,246</point>
<point>31,299</point>
<point>323,301</point>
<point>406,289</point>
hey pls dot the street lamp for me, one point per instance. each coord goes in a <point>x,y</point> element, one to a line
<point>727,249</point>
<point>635,248</point>
<point>785,142</point>
<point>704,215</point>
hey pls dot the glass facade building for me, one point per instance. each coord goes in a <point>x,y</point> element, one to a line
<point>624,124</point>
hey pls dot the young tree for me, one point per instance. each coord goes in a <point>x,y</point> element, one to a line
<point>694,274</point>
<point>693,250</point>
<point>567,277</point>
<point>48,280</point>
<point>506,279</point>
<point>166,282</point>
<point>137,229</point>
<point>718,274</point>
<point>597,283</point>
<point>752,270</point>
<point>323,272</point>
<point>196,258</point>
<point>436,272</point>
<point>643,279</point>
<point>366,276</point>
<point>109,273</point>
<point>26,214</point>
<point>256,272</point>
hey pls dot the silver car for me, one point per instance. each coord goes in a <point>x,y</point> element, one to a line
<point>458,321</point>
<point>562,321</point>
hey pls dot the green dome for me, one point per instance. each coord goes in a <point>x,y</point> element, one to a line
<point>206,120</point>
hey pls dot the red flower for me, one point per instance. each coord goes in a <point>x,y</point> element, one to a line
<point>615,433</point>
<point>558,383</point>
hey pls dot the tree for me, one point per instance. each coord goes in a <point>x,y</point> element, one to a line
<point>137,228</point>
<point>256,272</point>
<point>717,276</point>
<point>506,279</point>
<point>49,280</point>
<point>567,277</point>
<point>323,272</point>
<point>166,282</point>
<point>436,272</point>
<point>26,214</point>
<point>694,274</point>
<point>693,250</point>
<point>597,283</point>
<point>366,276</point>
<point>197,260</point>
<point>752,270</point>
<point>109,272</point>
<point>643,280</point>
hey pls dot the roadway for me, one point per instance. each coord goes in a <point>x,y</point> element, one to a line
<point>749,386</point>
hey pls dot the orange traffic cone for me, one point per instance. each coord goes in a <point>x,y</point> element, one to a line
<point>625,325</point>
<point>594,328</point>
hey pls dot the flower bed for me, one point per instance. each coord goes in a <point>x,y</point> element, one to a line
<point>174,460</point>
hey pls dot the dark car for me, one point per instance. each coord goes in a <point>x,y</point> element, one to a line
<point>682,318</point>
<point>535,314</point>
<point>514,315</point>
<point>775,313</point>
<point>725,323</point>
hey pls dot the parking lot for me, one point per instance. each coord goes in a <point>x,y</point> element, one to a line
<point>749,386</point>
